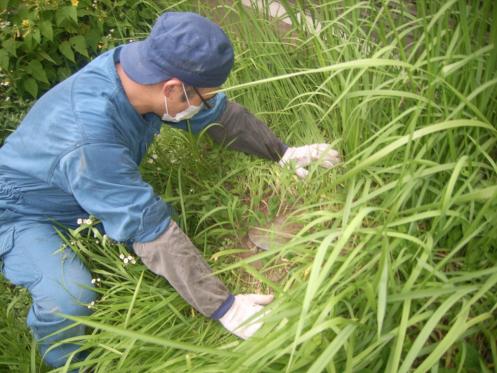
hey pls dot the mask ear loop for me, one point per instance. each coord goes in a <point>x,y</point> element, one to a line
<point>165,102</point>
<point>184,91</point>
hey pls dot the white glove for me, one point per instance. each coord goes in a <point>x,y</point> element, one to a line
<point>244,307</point>
<point>303,156</point>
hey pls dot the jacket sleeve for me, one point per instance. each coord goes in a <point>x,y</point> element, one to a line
<point>106,182</point>
<point>240,130</point>
<point>173,256</point>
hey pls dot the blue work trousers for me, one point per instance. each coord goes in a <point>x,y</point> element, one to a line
<point>35,257</point>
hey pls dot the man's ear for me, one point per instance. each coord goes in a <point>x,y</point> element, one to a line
<point>170,85</point>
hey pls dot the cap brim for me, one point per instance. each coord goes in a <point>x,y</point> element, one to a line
<point>134,61</point>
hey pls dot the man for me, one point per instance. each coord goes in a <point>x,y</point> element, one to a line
<point>77,152</point>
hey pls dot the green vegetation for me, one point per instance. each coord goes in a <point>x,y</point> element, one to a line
<point>44,41</point>
<point>395,266</point>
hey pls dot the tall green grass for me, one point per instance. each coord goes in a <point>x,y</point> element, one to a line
<point>395,266</point>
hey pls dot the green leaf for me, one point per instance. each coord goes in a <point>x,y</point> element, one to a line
<point>93,37</point>
<point>72,13</point>
<point>450,69</point>
<point>28,42</point>
<point>63,72</point>
<point>66,13</point>
<point>46,56</point>
<point>60,16</point>
<point>51,73</point>
<point>10,46</point>
<point>382,291</point>
<point>429,327</point>
<point>36,70</point>
<point>36,36</point>
<point>65,49</point>
<point>327,355</point>
<point>31,87</point>
<point>78,43</point>
<point>4,60</point>
<point>46,29</point>
<point>151,339</point>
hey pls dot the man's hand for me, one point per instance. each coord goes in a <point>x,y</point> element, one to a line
<point>244,307</point>
<point>303,156</point>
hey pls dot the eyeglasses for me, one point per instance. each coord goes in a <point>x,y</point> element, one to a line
<point>204,101</point>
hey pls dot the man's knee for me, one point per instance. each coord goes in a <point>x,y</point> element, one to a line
<point>72,292</point>
<point>73,299</point>
<point>59,281</point>
<point>75,303</point>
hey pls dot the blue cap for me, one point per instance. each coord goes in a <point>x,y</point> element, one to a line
<point>181,45</point>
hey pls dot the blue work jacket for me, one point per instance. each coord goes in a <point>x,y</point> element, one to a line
<point>77,152</point>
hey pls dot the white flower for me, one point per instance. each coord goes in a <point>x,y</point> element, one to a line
<point>121,256</point>
<point>155,156</point>
<point>93,280</point>
<point>125,260</point>
<point>80,221</point>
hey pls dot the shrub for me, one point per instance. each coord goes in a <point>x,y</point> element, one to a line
<point>44,41</point>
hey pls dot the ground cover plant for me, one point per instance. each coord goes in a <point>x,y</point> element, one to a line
<point>394,266</point>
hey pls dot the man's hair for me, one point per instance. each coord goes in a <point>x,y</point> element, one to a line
<point>189,91</point>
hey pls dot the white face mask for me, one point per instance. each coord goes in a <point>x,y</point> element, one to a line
<point>188,113</point>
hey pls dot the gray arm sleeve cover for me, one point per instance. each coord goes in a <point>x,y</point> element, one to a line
<point>173,256</point>
<point>242,131</point>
